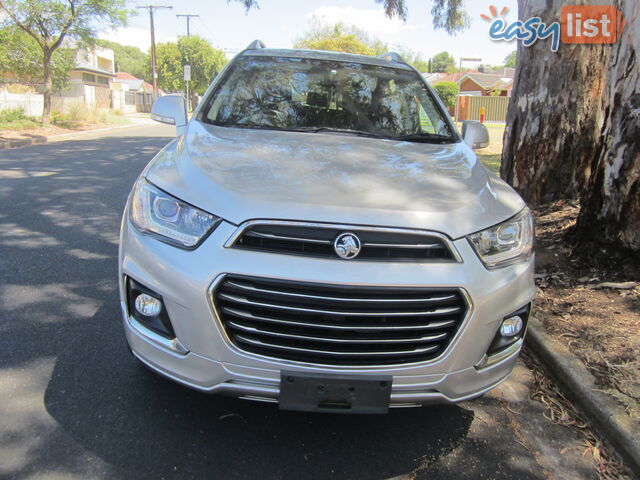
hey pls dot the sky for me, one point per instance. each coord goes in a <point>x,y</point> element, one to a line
<point>278,22</point>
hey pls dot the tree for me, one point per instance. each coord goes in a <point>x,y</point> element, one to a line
<point>573,128</point>
<point>441,62</point>
<point>448,92</point>
<point>339,37</point>
<point>511,60</point>
<point>21,57</point>
<point>412,58</point>
<point>205,62</point>
<point>129,59</point>
<point>50,22</point>
<point>612,201</point>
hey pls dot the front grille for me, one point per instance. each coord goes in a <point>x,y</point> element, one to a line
<point>338,325</point>
<point>317,241</point>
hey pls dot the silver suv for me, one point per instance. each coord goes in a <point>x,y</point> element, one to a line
<point>320,235</point>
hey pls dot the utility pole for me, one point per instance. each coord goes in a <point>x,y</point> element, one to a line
<point>188,17</point>
<point>154,74</point>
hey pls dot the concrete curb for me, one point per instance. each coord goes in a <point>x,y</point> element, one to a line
<point>23,142</point>
<point>39,140</point>
<point>579,385</point>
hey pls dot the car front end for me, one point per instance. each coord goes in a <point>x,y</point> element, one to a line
<point>325,272</point>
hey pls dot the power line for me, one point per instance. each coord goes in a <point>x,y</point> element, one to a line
<point>154,74</point>
<point>188,17</point>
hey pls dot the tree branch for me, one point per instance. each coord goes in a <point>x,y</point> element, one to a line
<point>4,8</point>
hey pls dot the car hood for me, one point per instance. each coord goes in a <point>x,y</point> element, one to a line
<point>242,174</point>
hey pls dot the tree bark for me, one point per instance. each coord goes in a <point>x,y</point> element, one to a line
<point>611,206</point>
<point>48,87</point>
<point>554,117</point>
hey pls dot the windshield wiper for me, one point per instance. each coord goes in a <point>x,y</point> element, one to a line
<point>335,130</point>
<point>425,138</point>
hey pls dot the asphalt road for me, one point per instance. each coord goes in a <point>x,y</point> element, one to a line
<point>73,402</point>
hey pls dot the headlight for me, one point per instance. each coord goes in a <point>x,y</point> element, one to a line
<point>174,221</point>
<point>506,243</point>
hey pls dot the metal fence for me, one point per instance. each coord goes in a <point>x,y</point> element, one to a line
<point>495,108</point>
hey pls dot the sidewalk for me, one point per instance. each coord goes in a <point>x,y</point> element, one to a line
<point>135,120</point>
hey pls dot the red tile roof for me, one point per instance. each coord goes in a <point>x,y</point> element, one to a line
<point>125,76</point>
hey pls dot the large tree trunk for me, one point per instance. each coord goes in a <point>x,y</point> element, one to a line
<point>48,88</point>
<point>554,117</point>
<point>611,206</point>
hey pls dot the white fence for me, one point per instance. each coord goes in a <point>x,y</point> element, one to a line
<point>32,103</point>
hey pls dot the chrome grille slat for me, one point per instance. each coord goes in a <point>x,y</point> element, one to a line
<point>342,325</point>
<point>359,341</point>
<point>329,326</point>
<point>437,312</point>
<point>282,237</point>
<point>402,245</point>
<point>340,299</point>
<point>390,353</point>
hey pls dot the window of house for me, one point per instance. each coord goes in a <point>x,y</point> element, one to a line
<point>129,98</point>
<point>87,77</point>
<point>103,80</point>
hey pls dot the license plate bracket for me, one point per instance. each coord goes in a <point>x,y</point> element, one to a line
<point>313,392</point>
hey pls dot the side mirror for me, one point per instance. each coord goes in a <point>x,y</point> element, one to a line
<point>475,134</point>
<point>171,109</point>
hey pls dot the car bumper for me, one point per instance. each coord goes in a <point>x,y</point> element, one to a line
<point>202,358</point>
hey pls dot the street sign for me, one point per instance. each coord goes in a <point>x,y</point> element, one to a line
<point>187,72</point>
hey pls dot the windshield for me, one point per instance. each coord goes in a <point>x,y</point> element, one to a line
<point>322,95</point>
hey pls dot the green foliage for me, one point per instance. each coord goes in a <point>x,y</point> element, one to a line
<point>450,16</point>
<point>442,61</point>
<point>15,119</point>
<point>339,37</point>
<point>205,62</point>
<point>394,8</point>
<point>341,43</point>
<point>412,58</point>
<point>492,162</point>
<point>50,21</point>
<point>511,60</point>
<point>21,56</point>
<point>248,4</point>
<point>8,115</point>
<point>448,92</point>
<point>129,59</point>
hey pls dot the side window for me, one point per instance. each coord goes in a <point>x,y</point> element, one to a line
<point>426,126</point>
<point>434,121</point>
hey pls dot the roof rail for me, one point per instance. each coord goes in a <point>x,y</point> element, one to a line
<point>392,56</point>
<point>255,45</point>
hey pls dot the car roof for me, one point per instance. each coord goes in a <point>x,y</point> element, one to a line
<point>324,55</point>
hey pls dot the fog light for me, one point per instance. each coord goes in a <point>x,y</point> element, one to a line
<point>510,326</point>
<point>147,305</point>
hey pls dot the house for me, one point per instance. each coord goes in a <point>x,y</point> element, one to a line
<point>91,77</point>
<point>433,78</point>
<point>473,82</point>
<point>486,84</point>
<point>131,94</point>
